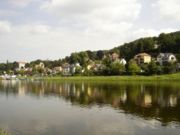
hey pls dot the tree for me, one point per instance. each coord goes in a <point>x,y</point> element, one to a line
<point>78,70</point>
<point>117,68</point>
<point>153,68</point>
<point>83,58</point>
<point>74,58</point>
<point>169,68</point>
<point>166,42</point>
<point>100,55</point>
<point>133,68</point>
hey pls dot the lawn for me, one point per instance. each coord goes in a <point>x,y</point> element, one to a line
<point>169,77</point>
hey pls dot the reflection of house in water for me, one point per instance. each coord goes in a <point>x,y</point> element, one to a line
<point>82,88</point>
<point>147,100</point>
<point>21,89</point>
<point>89,92</point>
<point>123,97</point>
<point>172,101</point>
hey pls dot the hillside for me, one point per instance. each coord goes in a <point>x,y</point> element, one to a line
<point>153,45</point>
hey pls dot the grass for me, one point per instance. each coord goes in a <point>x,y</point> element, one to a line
<point>4,132</point>
<point>169,77</point>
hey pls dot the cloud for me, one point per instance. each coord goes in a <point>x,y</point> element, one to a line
<point>20,3</point>
<point>35,28</point>
<point>151,32</point>
<point>5,27</point>
<point>8,13</point>
<point>168,9</point>
<point>98,15</point>
<point>55,28</point>
<point>115,9</point>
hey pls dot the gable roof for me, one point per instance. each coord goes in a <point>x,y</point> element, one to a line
<point>165,55</point>
<point>142,54</point>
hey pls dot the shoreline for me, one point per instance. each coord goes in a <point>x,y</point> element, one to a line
<point>168,77</point>
<point>125,78</point>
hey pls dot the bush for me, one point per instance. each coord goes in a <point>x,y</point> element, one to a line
<point>133,68</point>
<point>117,68</point>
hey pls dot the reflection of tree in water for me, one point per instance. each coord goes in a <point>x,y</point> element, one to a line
<point>150,101</point>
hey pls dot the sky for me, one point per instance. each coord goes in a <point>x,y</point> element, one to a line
<point>53,29</point>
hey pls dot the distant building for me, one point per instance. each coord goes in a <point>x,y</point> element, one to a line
<point>166,57</point>
<point>123,61</point>
<point>73,67</point>
<point>66,68</point>
<point>178,66</point>
<point>21,65</point>
<point>57,69</point>
<point>89,67</point>
<point>40,65</point>
<point>98,67</point>
<point>142,58</point>
<point>114,56</point>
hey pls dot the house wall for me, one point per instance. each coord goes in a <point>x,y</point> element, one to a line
<point>22,65</point>
<point>147,59</point>
<point>172,58</point>
<point>143,59</point>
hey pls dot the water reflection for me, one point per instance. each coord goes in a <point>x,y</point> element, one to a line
<point>148,101</point>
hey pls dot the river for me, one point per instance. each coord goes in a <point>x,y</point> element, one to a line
<point>90,108</point>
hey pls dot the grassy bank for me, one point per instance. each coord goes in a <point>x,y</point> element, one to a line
<point>3,132</point>
<point>169,77</point>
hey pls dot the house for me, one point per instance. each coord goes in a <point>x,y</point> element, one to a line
<point>73,67</point>
<point>40,65</point>
<point>98,67</point>
<point>178,66</point>
<point>57,69</point>
<point>89,66</point>
<point>21,65</point>
<point>142,58</point>
<point>114,56</point>
<point>166,57</point>
<point>48,70</point>
<point>123,61</point>
<point>66,69</point>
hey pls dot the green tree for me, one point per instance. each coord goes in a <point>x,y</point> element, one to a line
<point>83,59</point>
<point>153,68</point>
<point>100,54</point>
<point>133,68</point>
<point>169,68</point>
<point>78,70</point>
<point>117,68</point>
<point>74,58</point>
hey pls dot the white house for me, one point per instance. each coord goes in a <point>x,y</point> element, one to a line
<point>166,57</point>
<point>123,61</point>
<point>21,65</point>
<point>40,65</point>
<point>57,69</point>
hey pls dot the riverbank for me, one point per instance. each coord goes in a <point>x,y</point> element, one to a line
<point>3,132</point>
<point>169,77</point>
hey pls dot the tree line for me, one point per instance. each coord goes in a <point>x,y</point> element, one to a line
<point>152,45</point>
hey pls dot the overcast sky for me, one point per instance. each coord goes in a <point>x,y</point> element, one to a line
<point>53,29</point>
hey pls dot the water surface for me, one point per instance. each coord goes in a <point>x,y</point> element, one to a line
<point>69,108</point>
